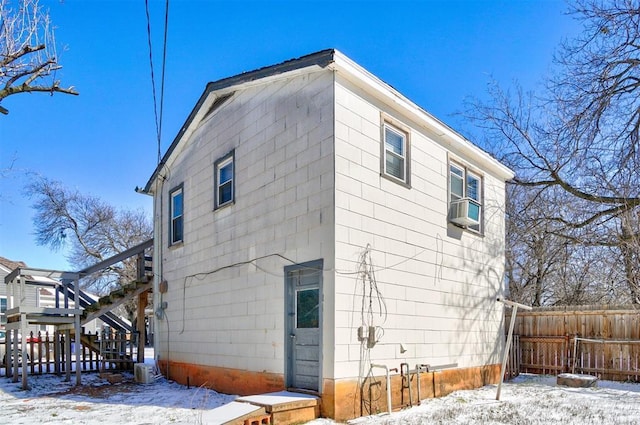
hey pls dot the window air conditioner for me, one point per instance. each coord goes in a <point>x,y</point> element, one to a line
<point>464,212</point>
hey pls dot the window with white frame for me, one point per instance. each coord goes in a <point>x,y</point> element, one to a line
<point>176,215</point>
<point>465,197</point>
<point>395,153</point>
<point>3,310</point>
<point>224,181</point>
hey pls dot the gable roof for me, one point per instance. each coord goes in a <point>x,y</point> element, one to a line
<point>321,59</point>
<point>335,60</point>
<point>11,265</point>
<point>15,267</point>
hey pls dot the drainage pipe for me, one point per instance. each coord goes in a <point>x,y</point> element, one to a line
<point>381,366</point>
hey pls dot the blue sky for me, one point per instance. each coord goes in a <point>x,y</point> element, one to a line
<point>103,142</point>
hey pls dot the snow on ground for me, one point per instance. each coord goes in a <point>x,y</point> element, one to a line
<point>529,399</point>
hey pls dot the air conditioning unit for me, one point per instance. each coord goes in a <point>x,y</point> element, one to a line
<point>464,212</point>
<point>143,373</point>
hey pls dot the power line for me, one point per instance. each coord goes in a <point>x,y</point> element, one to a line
<point>164,62</point>
<point>158,117</point>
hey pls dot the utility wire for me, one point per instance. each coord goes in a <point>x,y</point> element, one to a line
<point>158,117</point>
<point>164,62</point>
<point>153,79</point>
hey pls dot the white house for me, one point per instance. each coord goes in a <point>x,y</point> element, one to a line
<point>39,292</point>
<point>311,221</point>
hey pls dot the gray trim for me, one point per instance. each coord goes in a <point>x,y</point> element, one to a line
<point>116,258</point>
<point>171,242</point>
<point>289,317</point>
<point>216,204</point>
<point>407,154</point>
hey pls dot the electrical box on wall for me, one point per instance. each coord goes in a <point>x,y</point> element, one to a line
<point>163,286</point>
<point>367,333</point>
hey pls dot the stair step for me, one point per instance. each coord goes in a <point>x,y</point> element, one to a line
<point>286,407</point>
<point>92,307</point>
<point>105,300</point>
<point>233,413</point>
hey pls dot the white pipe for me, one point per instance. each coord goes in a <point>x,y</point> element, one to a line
<point>514,304</point>
<point>505,356</point>
<point>381,366</point>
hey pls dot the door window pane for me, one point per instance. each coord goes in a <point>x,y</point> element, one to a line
<point>307,308</point>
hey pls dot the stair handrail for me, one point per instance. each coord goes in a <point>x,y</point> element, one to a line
<point>116,258</point>
<point>85,300</point>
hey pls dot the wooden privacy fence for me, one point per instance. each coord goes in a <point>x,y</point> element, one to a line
<point>602,341</point>
<point>106,350</point>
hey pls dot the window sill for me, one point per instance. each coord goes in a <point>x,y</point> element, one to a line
<point>225,205</point>
<point>396,180</point>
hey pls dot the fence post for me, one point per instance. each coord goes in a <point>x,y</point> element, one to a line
<point>31,360</point>
<point>566,353</point>
<point>39,352</point>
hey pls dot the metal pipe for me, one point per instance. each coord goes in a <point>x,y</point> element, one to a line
<point>575,353</point>
<point>514,313</point>
<point>381,366</point>
<point>404,367</point>
<point>419,367</point>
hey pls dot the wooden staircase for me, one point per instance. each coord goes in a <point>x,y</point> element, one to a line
<point>116,298</point>
<point>102,309</point>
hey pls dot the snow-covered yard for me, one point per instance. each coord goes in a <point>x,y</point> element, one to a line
<point>529,399</point>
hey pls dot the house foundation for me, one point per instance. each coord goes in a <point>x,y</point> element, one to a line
<point>341,399</point>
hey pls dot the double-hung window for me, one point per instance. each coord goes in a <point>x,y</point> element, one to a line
<point>176,215</point>
<point>395,154</point>
<point>224,180</point>
<point>465,197</point>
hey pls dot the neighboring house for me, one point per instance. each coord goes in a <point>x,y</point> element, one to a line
<point>311,221</point>
<point>40,291</point>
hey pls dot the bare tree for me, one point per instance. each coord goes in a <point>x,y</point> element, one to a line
<point>92,229</point>
<point>577,146</point>
<point>28,58</point>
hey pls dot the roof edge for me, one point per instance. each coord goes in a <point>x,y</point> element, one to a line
<point>393,96</point>
<point>321,58</point>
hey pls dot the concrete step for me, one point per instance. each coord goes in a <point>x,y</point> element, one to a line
<point>233,413</point>
<point>286,407</point>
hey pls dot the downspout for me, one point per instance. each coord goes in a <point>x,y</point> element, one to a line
<point>386,369</point>
<point>159,275</point>
<point>157,262</point>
